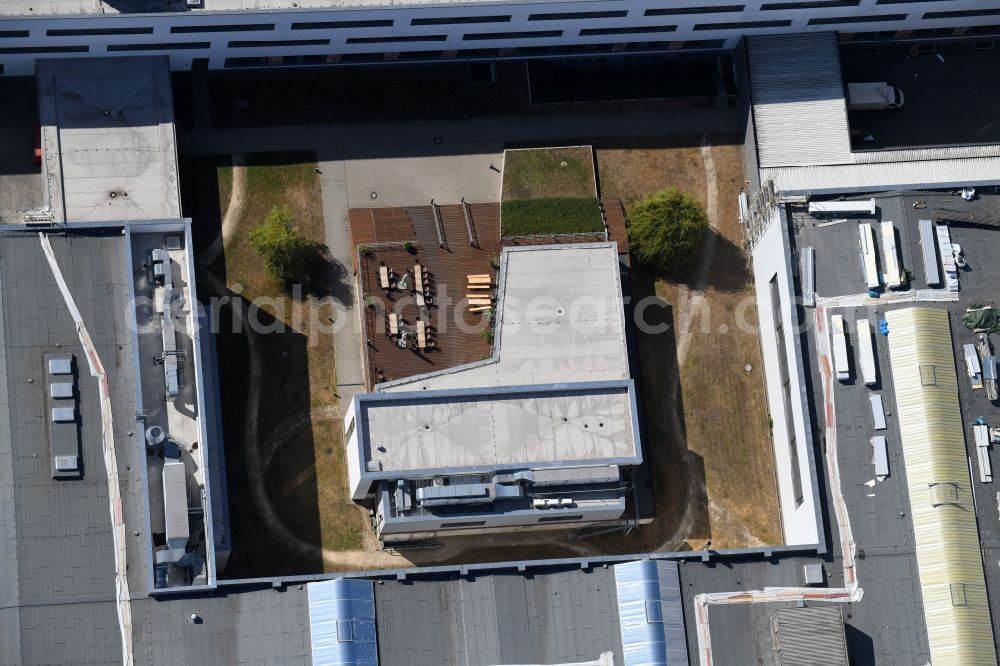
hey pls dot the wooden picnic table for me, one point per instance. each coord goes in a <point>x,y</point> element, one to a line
<point>418,284</point>
<point>393,323</point>
<point>383,277</point>
<point>480,279</point>
<point>480,286</point>
<point>419,298</point>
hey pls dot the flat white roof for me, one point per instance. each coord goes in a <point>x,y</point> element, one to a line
<point>108,144</point>
<point>487,430</point>
<point>556,389</point>
<point>560,318</point>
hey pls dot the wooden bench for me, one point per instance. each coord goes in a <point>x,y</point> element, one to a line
<point>421,334</point>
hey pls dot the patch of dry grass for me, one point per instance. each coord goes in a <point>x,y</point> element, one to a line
<point>726,416</point>
<point>724,433</point>
<point>307,478</point>
<point>630,170</point>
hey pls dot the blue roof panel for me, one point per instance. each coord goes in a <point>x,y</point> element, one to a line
<point>342,623</point>
<point>651,613</point>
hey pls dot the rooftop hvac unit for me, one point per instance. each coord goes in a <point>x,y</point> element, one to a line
<point>61,390</point>
<point>67,463</point>
<point>60,366</point>
<point>466,493</point>
<point>813,574</point>
<point>63,414</point>
<point>38,217</point>
<point>155,435</point>
<point>175,501</point>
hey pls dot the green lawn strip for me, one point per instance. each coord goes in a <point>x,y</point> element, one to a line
<point>550,216</point>
<point>539,173</point>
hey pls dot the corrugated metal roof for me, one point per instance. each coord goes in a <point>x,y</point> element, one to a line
<point>809,636</point>
<point>799,109</point>
<point>651,613</point>
<point>342,623</point>
<point>547,617</point>
<point>949,562</point>
<point>923,154</point>
<point>803,136</point>
<point>929,174</point>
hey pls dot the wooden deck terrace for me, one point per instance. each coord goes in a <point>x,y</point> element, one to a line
<point>454,330</point>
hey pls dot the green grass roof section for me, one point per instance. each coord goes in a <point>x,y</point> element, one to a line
<point>550,216</point>
<point>549,173</point>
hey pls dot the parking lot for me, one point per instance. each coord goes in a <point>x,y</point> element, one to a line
<point>952,82</point>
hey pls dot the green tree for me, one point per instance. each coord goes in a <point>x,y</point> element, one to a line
<point>284,250</point>
<point>666,229</point>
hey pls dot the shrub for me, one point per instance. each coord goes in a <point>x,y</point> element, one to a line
<point>285,252</point>
<point>410,247</point>
<point>666,229</point>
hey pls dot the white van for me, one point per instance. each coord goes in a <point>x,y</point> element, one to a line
<point>873,96</point>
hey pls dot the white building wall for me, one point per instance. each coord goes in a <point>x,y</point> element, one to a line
<point>358,490</point>
<point>627,25</point>
<point>771,257</point>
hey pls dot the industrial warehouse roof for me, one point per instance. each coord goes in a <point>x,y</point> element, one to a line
<point>560,318</point>
<point>57,563</point>
<point>108,145</point>
<point>880,177</point>
<point>798,100</point>
<point>949,561</point>
<point>621,614</point>
<point>803,138</point>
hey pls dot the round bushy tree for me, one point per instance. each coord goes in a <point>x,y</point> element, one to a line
<point>284,250</point>
<point>666,229</point>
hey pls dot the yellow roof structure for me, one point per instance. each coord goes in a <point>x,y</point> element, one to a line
<point>949,562</point>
